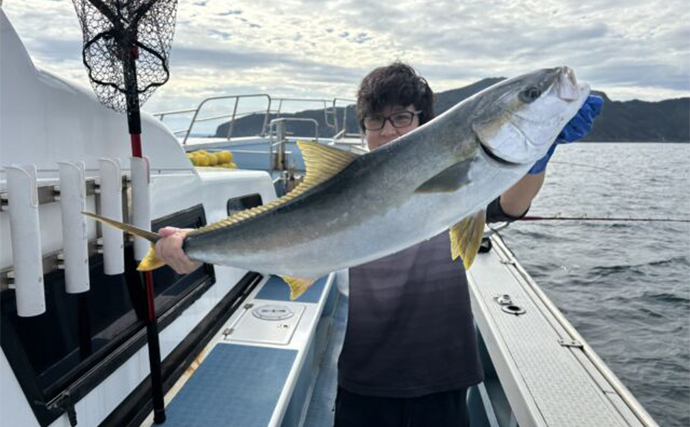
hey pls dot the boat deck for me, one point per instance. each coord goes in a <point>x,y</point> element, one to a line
<point>322,403</point>
<point>259,372</point>
<point>534,360</point>
<point>538,372</point>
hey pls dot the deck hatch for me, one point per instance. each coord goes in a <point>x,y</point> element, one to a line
<point>267,324</point>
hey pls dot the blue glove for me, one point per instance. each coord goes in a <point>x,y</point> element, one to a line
<point>577,128</point>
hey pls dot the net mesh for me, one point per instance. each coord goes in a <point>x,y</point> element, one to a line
<point>120,36</point>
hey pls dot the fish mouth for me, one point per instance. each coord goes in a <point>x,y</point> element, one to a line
<point>494,157</point>
<point>566,84</point>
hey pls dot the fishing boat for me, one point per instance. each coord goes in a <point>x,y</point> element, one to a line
<point>235,350</point>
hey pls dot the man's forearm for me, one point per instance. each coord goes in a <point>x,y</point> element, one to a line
<point>517,199</point>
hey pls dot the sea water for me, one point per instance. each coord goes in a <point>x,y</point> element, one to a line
<point>625,286</point>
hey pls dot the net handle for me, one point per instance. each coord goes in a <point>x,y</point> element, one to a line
<point>113,18</point>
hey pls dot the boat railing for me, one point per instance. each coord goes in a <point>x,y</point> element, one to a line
<point>233,116</point>
<point>342,136</point>
<point>161,115</point>
<point>274,106</point>
<point>321,101</point>
<point>277,154</point>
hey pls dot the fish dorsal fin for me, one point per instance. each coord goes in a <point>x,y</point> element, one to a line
<point>298,286</point>
<point>322,162</point>
<point>466,237</point>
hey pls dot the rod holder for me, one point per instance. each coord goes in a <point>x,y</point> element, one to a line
<point>74,231</point>
<point>111,207</point>
<point>141,202</point>
<point>22,195</point>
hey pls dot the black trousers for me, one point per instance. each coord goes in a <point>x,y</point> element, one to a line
<point>446,409</point>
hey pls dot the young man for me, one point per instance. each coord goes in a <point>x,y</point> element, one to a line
<point>410,350</point>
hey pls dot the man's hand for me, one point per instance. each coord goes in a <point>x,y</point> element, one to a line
<point>577,128</point>
<point>169,250</point>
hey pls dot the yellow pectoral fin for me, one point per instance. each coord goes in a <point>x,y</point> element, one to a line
<point>150,261</point>
<point>466,237</point>
<point>298,286</point>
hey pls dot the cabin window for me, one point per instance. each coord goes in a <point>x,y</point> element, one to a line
<point>59,349</point>
<point>245,202</point>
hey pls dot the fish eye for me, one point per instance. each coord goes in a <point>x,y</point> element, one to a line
<point>530,94</point>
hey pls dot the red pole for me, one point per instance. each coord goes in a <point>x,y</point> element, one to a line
<point>136,145</point>
<point>134,121</point>
<point>152,326</point>
<point>150,296</point>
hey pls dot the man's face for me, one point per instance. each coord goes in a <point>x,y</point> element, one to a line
<point>397,121</point>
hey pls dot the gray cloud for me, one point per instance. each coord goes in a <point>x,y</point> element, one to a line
<point>361,38</point>
<point>628,43</point>
<point>225,35</point>
<point>313,70</point>
<point>639,72</point>
<point>57,51</point>
<point>231,12</point>
<point>324,47</point>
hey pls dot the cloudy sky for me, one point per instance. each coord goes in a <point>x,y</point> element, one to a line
<point>317,48</point>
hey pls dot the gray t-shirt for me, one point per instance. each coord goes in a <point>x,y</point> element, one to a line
<point>410,330</point>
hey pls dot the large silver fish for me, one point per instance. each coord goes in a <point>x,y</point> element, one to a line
<point>352,209</point>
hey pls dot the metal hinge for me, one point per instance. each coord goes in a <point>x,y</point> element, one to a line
<point>570,343</point>
<point>63,402</point>
<point>4,202</point>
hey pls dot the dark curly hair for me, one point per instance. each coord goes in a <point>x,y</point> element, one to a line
<point>394,84</point>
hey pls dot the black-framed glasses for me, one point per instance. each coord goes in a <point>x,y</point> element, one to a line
<point>399,119</point>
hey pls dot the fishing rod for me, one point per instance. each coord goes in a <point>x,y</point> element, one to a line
<point>582,165</point>
<point>494,229</point>
<point>586,218</point>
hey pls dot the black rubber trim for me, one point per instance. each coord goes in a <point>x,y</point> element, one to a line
<point>137,406</point>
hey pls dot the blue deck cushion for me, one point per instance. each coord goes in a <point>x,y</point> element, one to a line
<point>236,385</point>
<point>277,289</point>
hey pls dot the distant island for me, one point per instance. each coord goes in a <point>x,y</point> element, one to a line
<point>620,121</point>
